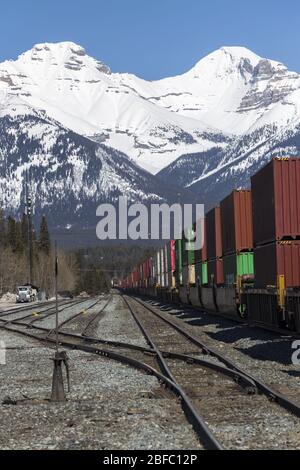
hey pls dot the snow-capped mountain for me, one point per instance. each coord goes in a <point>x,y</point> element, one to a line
<point>85,96</point>
<point>91,134</point>
<point>71,175</point>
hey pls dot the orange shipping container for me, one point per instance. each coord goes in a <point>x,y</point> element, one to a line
<point>236,219</point>
<point>275,259</point>
<point>276,201</point>
<point>213,234</point>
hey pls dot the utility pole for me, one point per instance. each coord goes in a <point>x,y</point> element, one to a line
<point>29,211</point>
<point>56,296</point>
<point>60,357</point>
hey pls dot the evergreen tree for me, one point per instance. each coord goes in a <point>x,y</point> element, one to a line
<point>44,241</point>
<point>14,235</point>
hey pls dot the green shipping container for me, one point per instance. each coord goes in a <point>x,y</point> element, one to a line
<point>188,249</point>
<point>241,264</point>
<point>201,273</point>
<point>204,273</point>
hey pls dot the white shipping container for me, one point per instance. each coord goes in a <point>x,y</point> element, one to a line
<point>166,258</point>
<point>171,280</point>
<point>192,274</point>
<point>158,263</point>
<point>162,262</point>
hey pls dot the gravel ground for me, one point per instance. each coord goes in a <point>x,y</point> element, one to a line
<point>66,313</point>
<point>265,355</point>
<point>111,406</point>
<point>118,324</point>
<point>13,305</point>
<point>237,419</point>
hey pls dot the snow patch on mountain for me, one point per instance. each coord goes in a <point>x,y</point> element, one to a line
<point>88,133</point>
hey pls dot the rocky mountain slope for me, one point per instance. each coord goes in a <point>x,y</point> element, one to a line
<point>71,175</point>
<point>88,134</point>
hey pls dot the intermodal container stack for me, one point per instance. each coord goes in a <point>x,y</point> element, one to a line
<point>276,223</point>
<point>214,247</point>
<point>171,264</point>
<point>163,267</point>
<point>179,265</point>
<point>237,236</point>
<point>158,269</point>
<point>188,256</point>
<point>201,255</point>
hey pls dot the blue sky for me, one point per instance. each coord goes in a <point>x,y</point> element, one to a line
<point>154,38</point>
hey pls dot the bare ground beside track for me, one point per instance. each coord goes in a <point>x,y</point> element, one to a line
<point>111,405</point>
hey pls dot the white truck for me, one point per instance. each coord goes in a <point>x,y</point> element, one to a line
<point>26,294</point>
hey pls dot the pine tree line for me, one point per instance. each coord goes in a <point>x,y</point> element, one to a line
<point>14,234</point>
<point>14,257</point>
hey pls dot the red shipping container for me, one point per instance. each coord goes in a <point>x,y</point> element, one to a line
<point>275,259</point>
<point>276,201</point>
<point>173,255</point>
<point>214,233</point>
<point>236,219</point>
<point>215,272</point>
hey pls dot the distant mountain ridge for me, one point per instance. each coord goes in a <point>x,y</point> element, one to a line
<point>89,134</point>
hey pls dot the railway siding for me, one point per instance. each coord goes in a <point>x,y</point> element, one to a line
<point>111,405</point>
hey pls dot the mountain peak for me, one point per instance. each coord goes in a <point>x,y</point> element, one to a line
<point>67,54</point>
<point>239,52</point>
<point>227,60</point>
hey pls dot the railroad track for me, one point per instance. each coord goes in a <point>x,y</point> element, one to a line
<point>126,353</point>
<point>33,320</point>
<point>214,399</point>
<point>36,315</point>
<point>26,307</point>
<point>176,364</point>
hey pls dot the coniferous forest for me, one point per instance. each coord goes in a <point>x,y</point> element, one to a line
<point>14,257</point>
<point>84,270</point>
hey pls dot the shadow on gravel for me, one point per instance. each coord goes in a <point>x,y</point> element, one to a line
<point>205,319</point>
<point>277,351</point>
<point>238,332</point>
<point>292,373</point>
<point>269,346</point>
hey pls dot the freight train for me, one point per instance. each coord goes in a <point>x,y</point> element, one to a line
<point>249,266</point>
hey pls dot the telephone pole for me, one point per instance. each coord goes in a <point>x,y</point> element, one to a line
<point>29,211</point>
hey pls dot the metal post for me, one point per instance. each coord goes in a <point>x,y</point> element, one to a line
<point>56,296</point>
<point>29,213</point>
<point>58,392</point>
<point>60,358</point>
<point>30,246</point>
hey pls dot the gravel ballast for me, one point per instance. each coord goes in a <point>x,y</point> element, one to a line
<point>110,406</point>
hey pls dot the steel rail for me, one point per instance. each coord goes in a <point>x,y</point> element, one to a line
<point>65,307</point>
<point>272,394</point>
<point>46,313</point>
<point>236,376</point>
<point>204,433</point>
<point>217,314</point>
<point>4,313</point>
<point>68,320</point>
<point>208,440</point>
<point>91,321</point>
